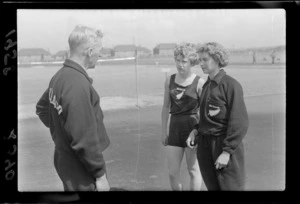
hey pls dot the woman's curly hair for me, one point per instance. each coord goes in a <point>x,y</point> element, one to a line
<point>216,51</point>
<point>187,50</point>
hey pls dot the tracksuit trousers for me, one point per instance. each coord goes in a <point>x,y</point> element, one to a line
<point>230,178</point>
<point>72,173</point>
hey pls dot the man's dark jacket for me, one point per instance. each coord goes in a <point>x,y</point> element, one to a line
<point>70,108</point>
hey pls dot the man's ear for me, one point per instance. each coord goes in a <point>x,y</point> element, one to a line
<point>89,51</point>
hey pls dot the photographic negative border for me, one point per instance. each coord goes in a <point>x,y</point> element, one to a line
<point>9,130</point>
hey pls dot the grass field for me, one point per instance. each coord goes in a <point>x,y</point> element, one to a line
<point>135,159</point>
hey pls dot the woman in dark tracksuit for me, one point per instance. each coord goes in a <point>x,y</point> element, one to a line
<point>223,123</point>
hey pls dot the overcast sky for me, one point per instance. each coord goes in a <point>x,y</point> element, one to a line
<point>234,28</point>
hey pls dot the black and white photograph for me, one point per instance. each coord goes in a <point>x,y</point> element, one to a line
<point>151,100</point>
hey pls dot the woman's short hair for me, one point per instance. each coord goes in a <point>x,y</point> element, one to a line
<point>216,51</point>
<point>83,35</point>
<point>187,50</point>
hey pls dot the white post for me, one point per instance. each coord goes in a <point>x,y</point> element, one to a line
<point>136,74</point>
<point>166,70</point>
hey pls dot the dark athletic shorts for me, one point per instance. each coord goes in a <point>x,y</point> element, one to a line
<point>180,128</point>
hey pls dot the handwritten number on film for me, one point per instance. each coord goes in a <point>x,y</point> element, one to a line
<point>10,173</point>
<point>9,53</point>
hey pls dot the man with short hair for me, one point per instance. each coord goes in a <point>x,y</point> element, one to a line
<point>70,108</point>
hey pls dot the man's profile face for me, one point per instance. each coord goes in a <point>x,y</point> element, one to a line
<point>95,54</point>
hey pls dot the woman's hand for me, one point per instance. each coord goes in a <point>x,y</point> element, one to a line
<point>102,184</point>
<point>164,139</point>
<point>222,160</point>
<point>190,142</point>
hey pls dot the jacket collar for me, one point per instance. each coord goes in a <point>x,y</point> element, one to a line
<point>218,77</point>
<point>77,67</point>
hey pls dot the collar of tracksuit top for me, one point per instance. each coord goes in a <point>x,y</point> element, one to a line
<point>77,67</point>
<point>217,78</point>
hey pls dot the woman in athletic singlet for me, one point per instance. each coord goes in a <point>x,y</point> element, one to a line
<point>181,100</point>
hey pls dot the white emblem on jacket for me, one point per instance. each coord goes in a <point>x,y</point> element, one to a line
<point>214,112</point>
<point>52,99</point>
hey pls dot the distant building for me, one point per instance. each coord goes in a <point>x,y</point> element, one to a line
<point>124,50</point>
<point>155,51</point>
<point>143,51</point>
<point>164,49</point>
<point>34,55</point>
<point>62,55</point>
<point>107,52</point>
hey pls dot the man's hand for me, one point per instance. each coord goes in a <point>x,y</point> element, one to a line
<point>190,142</point>
<point>102,184</point>
<point>222,160</point>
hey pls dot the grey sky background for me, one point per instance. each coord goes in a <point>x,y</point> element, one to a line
<point>234,28</point>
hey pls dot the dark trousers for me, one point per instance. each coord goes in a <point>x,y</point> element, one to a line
<point>230,178</point>
<point>72,173</point>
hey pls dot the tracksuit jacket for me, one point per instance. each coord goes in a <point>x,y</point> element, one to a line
<point>70,107</point>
